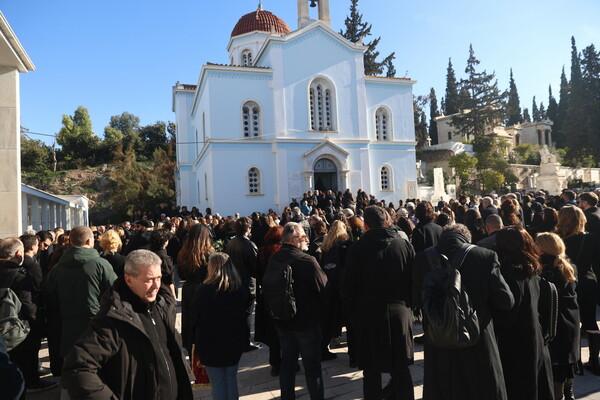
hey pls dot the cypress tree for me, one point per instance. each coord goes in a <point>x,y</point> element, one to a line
<point>590,64</point>
<point>451,102</point>
<point>542,111</point>
<point>535,112</point>
<point>482,98</point>
<point>526,116</point>
<point>552,105</point>
<point>433,113</point>
<point>356,31</point>
<point>513,106</point>
<point>561,111</point>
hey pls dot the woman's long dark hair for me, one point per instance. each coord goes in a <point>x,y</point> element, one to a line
<point>195,250</point>
<point>515,247</point>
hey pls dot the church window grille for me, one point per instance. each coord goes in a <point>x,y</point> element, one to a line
<point>382,123</point>
<point>246,58</point>
<point>385,178</point>
<point>251,120</point>
<point>322,105</point>
<point>253,181</point>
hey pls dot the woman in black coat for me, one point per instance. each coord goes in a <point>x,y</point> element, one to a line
<point>427,232</point>
<point>583,249</point>
<point>158,242</point>
<point>524,354</point>
<point>564,349</point>
<point>191,264</point>
<point>219,321</point>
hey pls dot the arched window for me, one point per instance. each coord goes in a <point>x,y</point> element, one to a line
<point>385,178</point>
<point>251,120</point>
<point>253,181</point>
<point>246,58</point>
<point>382,124</point>
<point>322,105</point>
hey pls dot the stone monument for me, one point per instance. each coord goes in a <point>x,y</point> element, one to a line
<point>438,184</point>
<point>552,177</point>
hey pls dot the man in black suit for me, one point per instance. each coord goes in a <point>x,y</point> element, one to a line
<point>587,202</point>
<point>487,208</point>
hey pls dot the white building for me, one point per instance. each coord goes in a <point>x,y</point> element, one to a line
<point>292,112</point>
<point>43,210</point>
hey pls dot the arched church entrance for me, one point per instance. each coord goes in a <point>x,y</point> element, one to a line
<point>326,175</point>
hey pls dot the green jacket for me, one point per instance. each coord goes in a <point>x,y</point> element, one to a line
<point>73,291</point>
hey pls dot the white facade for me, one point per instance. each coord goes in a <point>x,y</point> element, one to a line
<point>43,210</point>
<point>300,116</point>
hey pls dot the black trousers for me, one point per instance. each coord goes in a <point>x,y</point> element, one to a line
<point>26,356</point>
<point>402,381</point>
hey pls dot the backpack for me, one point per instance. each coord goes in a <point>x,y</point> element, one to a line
<point>452,321</point>
<point>548,309</point>
<point>278,289</point>
<point>13,329</point>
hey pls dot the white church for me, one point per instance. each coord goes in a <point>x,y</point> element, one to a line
<point>292,111</point>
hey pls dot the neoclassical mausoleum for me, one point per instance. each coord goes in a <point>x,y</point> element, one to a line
<point>292,111</point>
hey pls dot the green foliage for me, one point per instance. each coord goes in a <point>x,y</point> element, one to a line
<point>77,139</point>
<point>356,31</point>
<point>526,116</point>
<point>513,106</point>
<point>552,105</point>
<point>451,102</point>
<point>481,101</point>
<point>535,111</point>
<point>463,164</point>
<point>433,113</point>
<point>125,129</point>
<point>491,180</point>
<point>419,103</point>
<point>36,156</point>
<point>526,153</point>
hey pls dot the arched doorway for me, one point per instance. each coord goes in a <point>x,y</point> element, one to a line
<point>326,175</point>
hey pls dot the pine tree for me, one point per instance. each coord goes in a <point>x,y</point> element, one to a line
<point>389,66</point>
<point>451,101</point>
<point>433,113</point>
<point>420,120</point>
<point>526,116</point>
<point>535,111</point>
<point>513,106</point>
<point>552,105</point>
<point>356,31</point>
<point>481,100</point>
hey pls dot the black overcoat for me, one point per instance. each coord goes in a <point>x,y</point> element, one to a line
<point>525,357</point>
<point>475,372</point>
<point>376,295</point>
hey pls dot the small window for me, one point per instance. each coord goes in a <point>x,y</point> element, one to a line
<point>253,181</point>
<point>385,178</point>
<point>449,135</point>
<point>251,120</point>
<point>382,124</point>
<point>246,58</point>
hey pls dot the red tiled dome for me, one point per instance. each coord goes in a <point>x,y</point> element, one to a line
<point>260,20</point>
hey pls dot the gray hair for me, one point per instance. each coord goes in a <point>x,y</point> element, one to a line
<point>9,247</point>
<point>488,200</point>
<point>296,211</point>
<point>289,231</point>
<point>137,258</point>
<point>456,228</point>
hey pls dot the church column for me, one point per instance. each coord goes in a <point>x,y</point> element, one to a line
<point>308,180</point>
<point>344,181</point>
<point>35,214</point>
<point>324,14</point>
<point>24,212</point>
<point>63,217</point>
<point>52,222</point>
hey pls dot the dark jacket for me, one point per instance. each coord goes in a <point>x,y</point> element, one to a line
<point>565,348</point>
<point>376,295</point>
<point>488,242</point>
<point>188,291</point>
<point>244,255</point>
<point>73,291</point>
<point>592,225</point>
<point>15,277</point>
<point>475,372</point>
<point>425,235</point>
<point>166,268</point>
<point>34,271</point>
<point>11,378</point>
<point>309,284</point>
<point>486,212</point>
<point>117,261</point>
<point>115,358</point>
<point>525,357</point>
<point>219,325</point>
<point>136,242</point>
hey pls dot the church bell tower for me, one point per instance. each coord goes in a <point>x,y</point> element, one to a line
<point>304,16</point>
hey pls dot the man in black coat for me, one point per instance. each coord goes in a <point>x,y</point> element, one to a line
<point>244,255</point>
<point>493,224</point>
<point>473,372</point>
<point>303,333</point>
<point>487,208</point>
<point>15,277</point>
<point>427,232</point>
<point>588,203</point>
<point>139,240</point>
<point>131,348</point>
<point>376,294</point>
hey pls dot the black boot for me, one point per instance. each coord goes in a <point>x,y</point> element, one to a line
<point>559,389</point>
<point>569,395</point>
<point>594,347</point>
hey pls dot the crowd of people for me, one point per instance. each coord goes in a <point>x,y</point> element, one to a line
<point>105,297</point>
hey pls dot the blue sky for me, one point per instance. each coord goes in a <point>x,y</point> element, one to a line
<point>115,56</point>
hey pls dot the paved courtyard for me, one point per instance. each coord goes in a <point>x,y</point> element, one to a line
<point>341,381</point>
